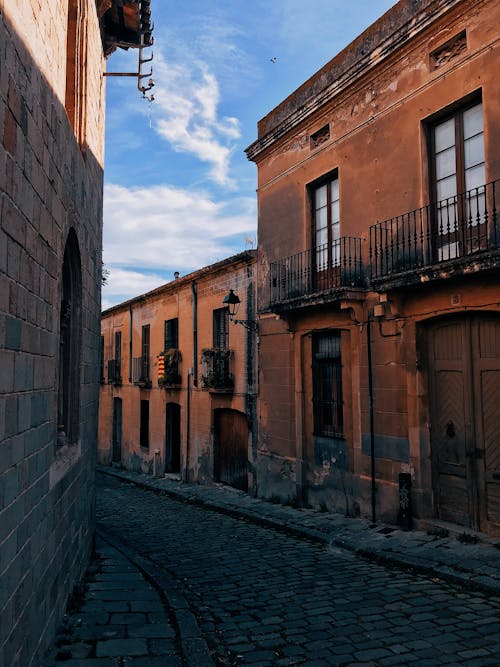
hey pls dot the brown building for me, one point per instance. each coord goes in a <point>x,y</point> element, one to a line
<point>178,388</point>
<point>378,273</point>
<point>52,58</point>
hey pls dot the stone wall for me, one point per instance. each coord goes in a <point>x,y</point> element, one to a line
<point>50,190</point>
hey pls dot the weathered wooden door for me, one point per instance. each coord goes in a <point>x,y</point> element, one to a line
<point>486,364</point>
<point>173,438</point>
<point>231,448</point>
<point>117,430</point>
<point>465,424</point>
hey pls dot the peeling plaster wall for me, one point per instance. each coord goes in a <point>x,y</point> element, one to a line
<point>376,100</point>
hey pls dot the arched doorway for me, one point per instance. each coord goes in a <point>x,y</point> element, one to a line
<point>173,438</point>
<point>231,448</point>
<point>464,395</point>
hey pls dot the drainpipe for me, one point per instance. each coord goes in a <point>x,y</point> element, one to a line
<point>251,378</point>
<point>372,414</point>
<point>194,292</point>
<point>188,425</point>
<point>130,345</point>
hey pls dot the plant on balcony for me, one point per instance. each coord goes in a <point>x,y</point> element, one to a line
<point>168,368</point>
<point>216,372</point>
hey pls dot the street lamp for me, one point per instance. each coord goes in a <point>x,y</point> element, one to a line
<point>232,303</point>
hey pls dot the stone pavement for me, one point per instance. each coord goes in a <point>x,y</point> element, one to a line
<point>118,618</point>
<point>458,558</point>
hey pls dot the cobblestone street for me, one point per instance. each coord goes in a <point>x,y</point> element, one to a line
<point>262,597</point>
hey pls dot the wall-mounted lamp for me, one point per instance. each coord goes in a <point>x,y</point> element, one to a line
<point>232,303</point>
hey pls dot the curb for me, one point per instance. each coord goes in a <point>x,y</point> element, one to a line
<point>194,649</point>
<point>410,563</point>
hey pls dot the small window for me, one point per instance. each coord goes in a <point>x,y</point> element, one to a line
<point>144,429</point>
<point>327,385</point>
<point>451,49</point>
<point>320,137</point>
<point>221,329</point>
<point>171,339</point>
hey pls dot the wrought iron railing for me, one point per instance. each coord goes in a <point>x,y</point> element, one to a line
<point>168,368</point>
<point>323,269</point>
<point>217,369</point>
<point>457,227</point>
<point>140,371</point>
<point>114,371</point>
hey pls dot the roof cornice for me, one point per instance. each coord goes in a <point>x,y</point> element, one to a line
<point>383,38</point>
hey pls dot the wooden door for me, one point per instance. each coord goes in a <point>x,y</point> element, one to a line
<point>231,448</point>
<point>464,397</point>
<point>486,362</point>
<point>450,413</point>
<point>173,438</point>
<point>117,430</point>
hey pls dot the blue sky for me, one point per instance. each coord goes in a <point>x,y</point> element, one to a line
<point>179,191</point>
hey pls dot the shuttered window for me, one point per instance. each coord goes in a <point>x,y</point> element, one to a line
<point>221,329</point>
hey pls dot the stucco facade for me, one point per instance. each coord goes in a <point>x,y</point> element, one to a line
<point>178,381</point>
<point>398,320</point>
<point>52,58</point>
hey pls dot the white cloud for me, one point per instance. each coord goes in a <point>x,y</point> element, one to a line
<point>123,284</point>
<point>162,229</point>
<point>186,105</point>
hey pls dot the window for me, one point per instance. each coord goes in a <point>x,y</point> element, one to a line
<point>144,428</point>
<point>221,329</point>
<point>458,181</point>
<point>118,352</point>
<point>145,352</point>
<point>76,83</point>
<point>171,339</point>
<point>68,405</point>
<point>102,360</point>
<point>326,213</point>
<point>327,385</point>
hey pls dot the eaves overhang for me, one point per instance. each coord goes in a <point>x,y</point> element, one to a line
<point>125,24</point>
<point>246,257</point>
<point>382,39</point>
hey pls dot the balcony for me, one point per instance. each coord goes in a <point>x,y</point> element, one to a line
<point>168,369</point>
<point>217,370</point>
<point>324,274</point>
<point>454,236</point>
<point>114,372</point>
<point>140,372</point>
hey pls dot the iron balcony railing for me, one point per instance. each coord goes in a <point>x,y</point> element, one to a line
<point>457,227</point>
<point>323,269</point>
<point>140,371</point>
<point>168,368</point>
<point>114,371</point>
<point>217,369</point>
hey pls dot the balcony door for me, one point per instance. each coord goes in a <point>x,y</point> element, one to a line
<point>327,234</point>
<point>458,171</point>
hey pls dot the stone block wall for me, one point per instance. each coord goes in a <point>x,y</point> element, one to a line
<point>50,185</point>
